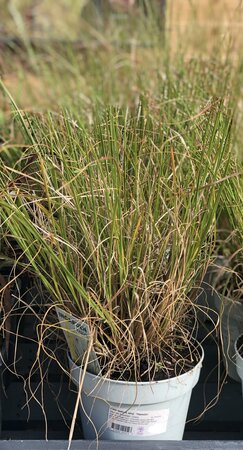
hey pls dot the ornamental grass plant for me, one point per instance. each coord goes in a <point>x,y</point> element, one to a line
<point>118,220</point>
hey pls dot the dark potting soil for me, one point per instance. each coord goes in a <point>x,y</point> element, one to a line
<point>180,354</point>
<point>168,363</point>
<point>239,345</point>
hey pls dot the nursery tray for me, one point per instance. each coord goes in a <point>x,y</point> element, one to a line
<point>87,445</point>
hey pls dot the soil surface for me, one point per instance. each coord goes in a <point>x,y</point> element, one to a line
<point>168,363</point>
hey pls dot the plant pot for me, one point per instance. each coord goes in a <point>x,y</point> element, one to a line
<point>239,361</point>
<point>208,299</point>
<point>119,410</point>
<point>231,327</point>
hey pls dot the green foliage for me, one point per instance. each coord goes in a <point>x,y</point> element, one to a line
<point>118,219</point>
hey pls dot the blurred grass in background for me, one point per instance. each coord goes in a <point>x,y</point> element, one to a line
<point>56,54</point>
<point>195,24</point>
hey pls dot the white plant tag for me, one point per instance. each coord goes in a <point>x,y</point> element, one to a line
<point>138,422</point>
<point>77,335</point>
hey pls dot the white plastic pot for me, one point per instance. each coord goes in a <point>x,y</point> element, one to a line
<point>119,410</point>
<point>231,327</point>
<point>239,363</point>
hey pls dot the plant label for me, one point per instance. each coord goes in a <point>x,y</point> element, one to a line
<point>77,335</point>
<point>138,422</point>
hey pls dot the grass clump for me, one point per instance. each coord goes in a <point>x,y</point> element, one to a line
<point>118,221</point>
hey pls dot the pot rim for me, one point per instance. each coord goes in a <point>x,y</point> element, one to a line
<point>140,383</point>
